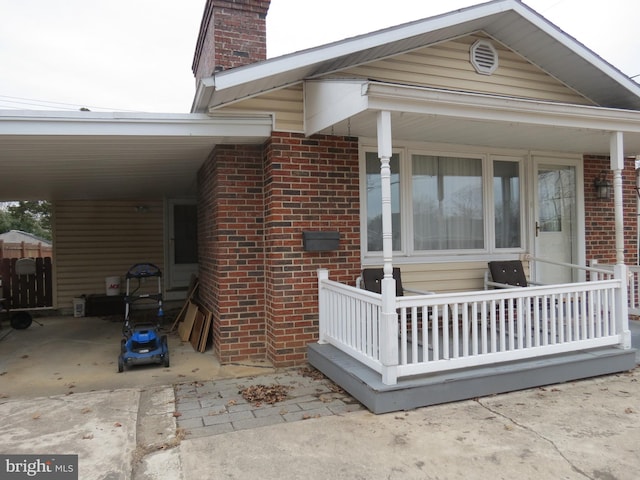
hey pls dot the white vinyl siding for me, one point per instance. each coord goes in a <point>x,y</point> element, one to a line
<point>442,277</point>
<point>98,239</point>
<point>446,65</point>
<point>286,104</point>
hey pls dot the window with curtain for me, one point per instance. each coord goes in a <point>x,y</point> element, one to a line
<point>506,204</point>
<point>448,212</point>
<point>374,202</point>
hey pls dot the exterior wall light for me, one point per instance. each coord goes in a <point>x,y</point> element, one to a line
<point>602,185</point>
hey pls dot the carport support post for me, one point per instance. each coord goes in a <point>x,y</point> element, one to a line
<point>389,326</point>
<point>620,270</point>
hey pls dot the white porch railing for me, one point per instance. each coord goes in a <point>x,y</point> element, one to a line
<point>439,332</point>
<point>633,284</point>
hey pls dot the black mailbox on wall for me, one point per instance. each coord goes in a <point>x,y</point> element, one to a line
<point>320,241</point>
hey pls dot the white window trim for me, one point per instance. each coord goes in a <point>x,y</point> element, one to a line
<point>409,196</point>
<point>488,156</point>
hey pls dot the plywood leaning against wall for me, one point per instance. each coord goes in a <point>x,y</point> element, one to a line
<point>193,322</point>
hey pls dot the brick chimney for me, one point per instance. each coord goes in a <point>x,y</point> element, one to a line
<point>232,33</point>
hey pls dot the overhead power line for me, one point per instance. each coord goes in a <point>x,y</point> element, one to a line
<point>5,99</point>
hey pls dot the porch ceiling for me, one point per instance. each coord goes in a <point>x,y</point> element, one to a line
<point>414,127</point>
<point>429,115</point>
<point>85,155</point>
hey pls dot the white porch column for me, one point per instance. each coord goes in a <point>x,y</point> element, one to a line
<point>617,165</point>
<point>323,274</point>
<point>389,326</point>
<point>620,270</point>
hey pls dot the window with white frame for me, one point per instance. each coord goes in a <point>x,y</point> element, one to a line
<point>446,203</point>
<point>374,202</point>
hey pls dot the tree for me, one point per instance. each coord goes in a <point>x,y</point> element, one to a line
<point>29,216</point>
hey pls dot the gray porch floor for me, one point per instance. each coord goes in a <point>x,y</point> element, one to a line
<point>366,385</point>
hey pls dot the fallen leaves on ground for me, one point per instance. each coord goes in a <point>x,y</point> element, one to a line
<point>312,373</point>
<point>265,393</point>
<point>306,416</point>
<point>335,388</point>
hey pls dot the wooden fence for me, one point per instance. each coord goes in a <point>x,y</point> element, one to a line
<point>26,283</point>
<point>23,250</point>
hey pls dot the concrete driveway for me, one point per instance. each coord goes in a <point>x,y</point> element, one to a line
<point>127,427</point>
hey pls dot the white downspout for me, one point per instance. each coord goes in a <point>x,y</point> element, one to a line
<point>389,326</point>
<point>620,269</point>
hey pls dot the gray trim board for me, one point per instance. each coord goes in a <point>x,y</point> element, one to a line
<point>366,386</point>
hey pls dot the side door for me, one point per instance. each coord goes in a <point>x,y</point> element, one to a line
<point>182,242</point>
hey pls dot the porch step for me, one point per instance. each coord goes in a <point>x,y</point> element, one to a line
<point>366,386</point>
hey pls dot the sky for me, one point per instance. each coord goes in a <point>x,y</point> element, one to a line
<point>135,55</point>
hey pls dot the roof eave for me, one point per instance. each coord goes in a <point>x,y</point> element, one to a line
<point>232,85</point>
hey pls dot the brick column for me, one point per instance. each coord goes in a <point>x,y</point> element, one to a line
<point>231,250</point>
<point>310,184</point>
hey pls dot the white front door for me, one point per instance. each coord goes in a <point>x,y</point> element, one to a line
<point>557,226</point>
<point>182,241</point>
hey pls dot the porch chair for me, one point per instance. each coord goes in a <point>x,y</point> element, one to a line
<point>510,274</point>
<point>372,280</point>
<point>506,274</point>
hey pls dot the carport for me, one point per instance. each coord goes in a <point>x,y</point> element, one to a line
<point>145,159</point>
<point>108,159</point>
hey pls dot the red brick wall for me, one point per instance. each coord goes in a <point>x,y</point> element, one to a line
<point>599,213</point>
<point>231,250</point>
<point>310,184</point>
<point>255,276</point>
<point>232,34</point>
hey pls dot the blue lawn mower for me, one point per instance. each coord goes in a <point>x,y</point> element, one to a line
<point>142,342</point>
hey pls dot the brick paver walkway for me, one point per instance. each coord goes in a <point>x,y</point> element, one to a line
<point>215,407</point>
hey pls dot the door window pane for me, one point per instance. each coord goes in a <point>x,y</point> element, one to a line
<point>374,203</point>
<point>447,203</point>
<point>506,188</point>
<point>556,194</point>
<point>185,234</point>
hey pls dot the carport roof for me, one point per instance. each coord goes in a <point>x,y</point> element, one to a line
<point>88,155</point>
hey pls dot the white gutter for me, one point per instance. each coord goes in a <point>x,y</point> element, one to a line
<point>14,122</point>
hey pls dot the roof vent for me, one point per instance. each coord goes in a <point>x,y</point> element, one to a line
<point>484,57</point>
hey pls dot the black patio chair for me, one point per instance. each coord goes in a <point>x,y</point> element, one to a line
<point>506,274</point>
<point>372,281</point>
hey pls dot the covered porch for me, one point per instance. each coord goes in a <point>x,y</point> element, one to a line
<point>400,352</point>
